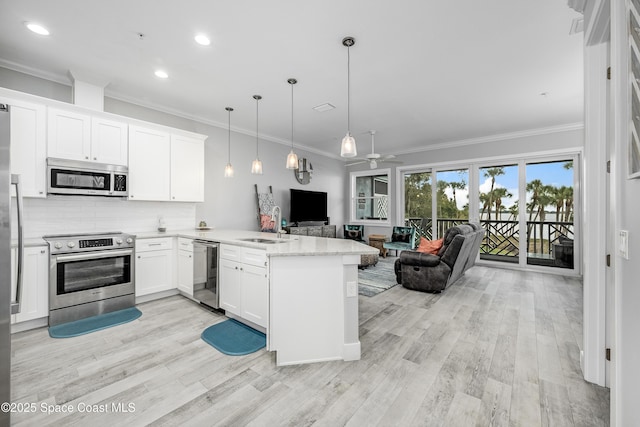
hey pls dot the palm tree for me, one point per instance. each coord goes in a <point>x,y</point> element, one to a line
<point>492,173</point>
<point>461,185</point>
<point>535,187</point>
<point>498,194</point>
<point>485,199</point>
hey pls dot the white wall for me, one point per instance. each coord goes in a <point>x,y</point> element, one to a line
<point>626,196</point>
<point>229,202</point>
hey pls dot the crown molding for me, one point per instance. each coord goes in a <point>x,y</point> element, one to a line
<point>36,72</point>
<point>64,79</point>
<point>200,119</point>
<point>492,138</point>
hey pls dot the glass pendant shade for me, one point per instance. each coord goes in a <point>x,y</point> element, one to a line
<point>228,171</point>
<point>292,160</point>
<point>348,148</point>
<point>256,167</point>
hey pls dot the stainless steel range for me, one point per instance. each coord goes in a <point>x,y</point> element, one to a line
<point>89,274</point>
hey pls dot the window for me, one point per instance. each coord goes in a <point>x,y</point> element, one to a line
<point>370,196</point>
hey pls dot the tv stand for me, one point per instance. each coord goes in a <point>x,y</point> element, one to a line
<point>313,230</point>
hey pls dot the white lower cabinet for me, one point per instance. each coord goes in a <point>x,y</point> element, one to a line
<point>35,284</point>
<point>244,283</point>
<point>154,265</point>
<point>185,266</point>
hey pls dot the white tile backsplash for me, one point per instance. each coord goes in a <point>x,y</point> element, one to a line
<point>83,214</point>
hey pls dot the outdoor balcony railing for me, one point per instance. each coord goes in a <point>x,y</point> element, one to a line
<point>549,243</point>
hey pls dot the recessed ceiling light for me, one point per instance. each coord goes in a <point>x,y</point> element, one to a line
<point>202,39</point>
<point>37,28</point>
<point>161,74</point>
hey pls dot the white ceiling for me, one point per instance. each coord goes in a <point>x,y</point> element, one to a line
<point>422,71</point>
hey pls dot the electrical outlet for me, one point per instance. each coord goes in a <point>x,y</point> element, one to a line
<point>623,244</point>
<point>352,289</point>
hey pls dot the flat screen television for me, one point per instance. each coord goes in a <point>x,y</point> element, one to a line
<point>307,206</point>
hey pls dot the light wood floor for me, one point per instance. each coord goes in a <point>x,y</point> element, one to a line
<point>499,347</point>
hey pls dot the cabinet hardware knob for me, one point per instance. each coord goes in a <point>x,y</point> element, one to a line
<point>86,157</point>
<point>95,158</point>
<point>42,251</point>
<point>40,192</point>
<point>138,256</point>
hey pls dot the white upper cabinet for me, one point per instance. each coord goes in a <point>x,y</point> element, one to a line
<point>109,141</point>
<point>76,136</point>
<point>149,163</point>
<point>29,146</point>
<point>69,135</point>
<point>187,169</point>
<point>164,166</point>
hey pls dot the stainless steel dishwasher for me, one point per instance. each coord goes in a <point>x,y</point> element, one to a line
<point>205,273</point>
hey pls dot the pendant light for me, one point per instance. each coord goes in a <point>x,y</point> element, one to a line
<point>228,170</point>
<point>292,158</point>
<point>348,148</point>
<point>256,165</point>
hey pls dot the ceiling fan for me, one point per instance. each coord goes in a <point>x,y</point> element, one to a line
<point>374,158</point>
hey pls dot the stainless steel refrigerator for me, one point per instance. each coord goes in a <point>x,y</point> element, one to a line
<point>10,292</point>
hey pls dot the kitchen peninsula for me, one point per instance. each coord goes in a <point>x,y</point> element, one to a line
<point>312,290</point>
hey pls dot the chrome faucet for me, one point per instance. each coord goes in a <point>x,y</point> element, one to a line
<point>277,218</point>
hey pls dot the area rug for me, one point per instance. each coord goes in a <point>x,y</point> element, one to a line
<point>94,323</point>
<point>375,279</point>
<point>234,338</point>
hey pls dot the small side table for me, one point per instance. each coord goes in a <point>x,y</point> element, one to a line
<point>377,240</point>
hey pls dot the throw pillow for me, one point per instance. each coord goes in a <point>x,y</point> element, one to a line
<point>400,237</point>
<point>430,246</point>
<point>354,234</point>
<point>266,224</point>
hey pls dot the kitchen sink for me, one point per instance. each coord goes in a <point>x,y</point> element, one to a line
<point>262,240</point>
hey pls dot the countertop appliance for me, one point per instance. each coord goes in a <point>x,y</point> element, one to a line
<point>9,300</point>
<point>205,273</point>
<point>86,178</point>
<point>89,274</point>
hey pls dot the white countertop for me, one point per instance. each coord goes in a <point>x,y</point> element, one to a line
<point>288,245</point>
<point>34,241</point>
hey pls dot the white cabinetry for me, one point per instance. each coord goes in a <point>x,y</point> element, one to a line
<point>185,266</point>
<point>109,141</point>
<point>29,146</point>
<point>187,169</point>
<point>149,163</point>
<point>35,283</point>
<point>77,136</point>
<point>154,265</point>
<point>164,166</point>
<point>244,283</point>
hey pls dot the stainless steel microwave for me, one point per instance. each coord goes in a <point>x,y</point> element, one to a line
<point>86,178</point>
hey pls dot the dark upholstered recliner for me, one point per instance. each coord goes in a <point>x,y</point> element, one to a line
<point>433,273</point>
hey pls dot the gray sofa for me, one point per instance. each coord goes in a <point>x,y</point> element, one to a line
<point>433,273</point>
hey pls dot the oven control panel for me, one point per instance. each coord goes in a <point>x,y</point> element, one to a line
<point>95,243</point>
<point>86,243</point>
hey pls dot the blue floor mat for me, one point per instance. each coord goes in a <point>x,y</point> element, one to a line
<point>234,338</point>
<point>95,323</point>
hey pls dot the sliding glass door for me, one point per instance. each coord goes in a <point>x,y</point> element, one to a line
<point>550,213</point>
<point>526,206</point>
<point>498,195</point>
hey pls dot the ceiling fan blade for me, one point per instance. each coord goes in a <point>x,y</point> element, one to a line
<point>390,161</point>
<point>356,163</point>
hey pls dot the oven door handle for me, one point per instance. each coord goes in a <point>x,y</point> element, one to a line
<point>92,255</point>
